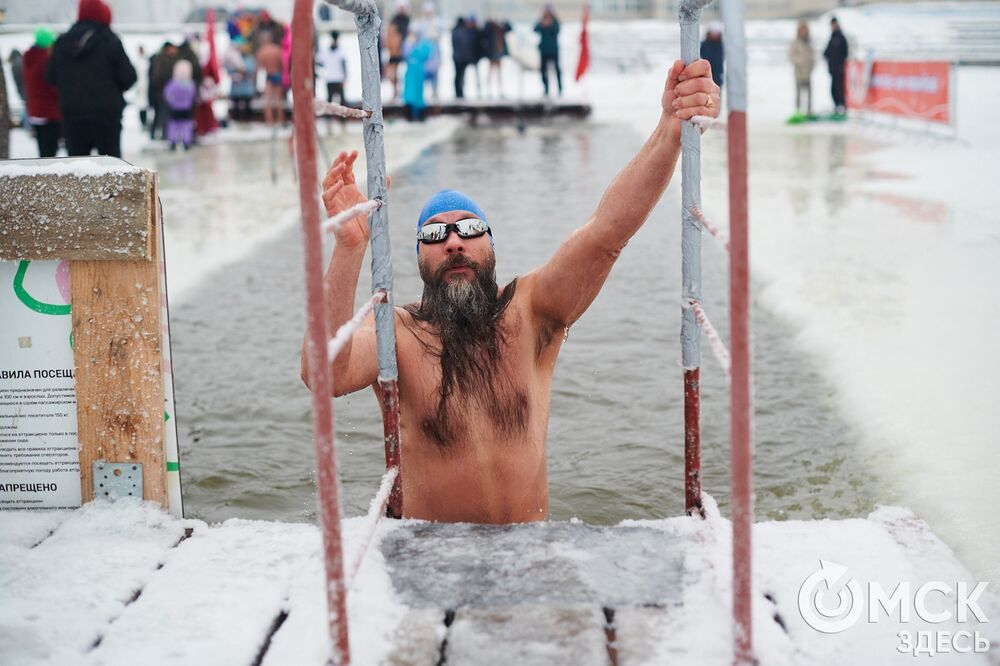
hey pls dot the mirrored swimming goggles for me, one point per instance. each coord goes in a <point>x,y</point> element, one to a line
<point>437,232</point>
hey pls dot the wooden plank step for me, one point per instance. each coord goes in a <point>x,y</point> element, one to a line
<point>217,598</point>
<point>59,597</point>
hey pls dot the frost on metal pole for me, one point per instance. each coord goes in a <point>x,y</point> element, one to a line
<point>320,379</point>
<point>367,19</point>
<point>739,321</point>
<point>689,14</point>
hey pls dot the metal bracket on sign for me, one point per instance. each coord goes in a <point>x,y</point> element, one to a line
<point>113,480</point>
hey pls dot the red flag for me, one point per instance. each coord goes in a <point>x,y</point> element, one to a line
<point>584,62</point>
<point>204,117</point>
<point>212,66</point>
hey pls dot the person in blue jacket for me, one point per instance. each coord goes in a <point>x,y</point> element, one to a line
<point>417,50</point>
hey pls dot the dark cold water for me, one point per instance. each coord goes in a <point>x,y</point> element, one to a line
<point>615,436</point>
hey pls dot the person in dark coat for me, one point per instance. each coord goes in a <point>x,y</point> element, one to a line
<point>90,69</point>
<point>713,51</point>
<point>495,49</point>
<point>548,47</point>
<point>41,98</point>
<point>16,61</point>
<point>161,68</point>
<point>836,59</point>
<point>4,118</point>
<point>464,51</point>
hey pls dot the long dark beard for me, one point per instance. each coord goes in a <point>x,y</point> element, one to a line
<point>467,317</point>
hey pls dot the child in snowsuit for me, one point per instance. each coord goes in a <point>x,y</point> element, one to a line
<point>179,95</point>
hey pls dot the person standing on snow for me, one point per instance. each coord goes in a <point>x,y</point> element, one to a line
<point>463,52</point>
<point>4,118</point>
<point>269,58</point>
<point>180,95</point>
<point>418,50</point>
<point>395,36</point>
<point>548,47</point>
<point>333,69</point>
<point>16,61</point>
<point>242,70</point>
<point>836,58</point>
<point>90,69</point>
<point>432,28</point>
<point>800,52</point>
<point>495,46</point>
<point>42,99</point>
<point>714,52</point>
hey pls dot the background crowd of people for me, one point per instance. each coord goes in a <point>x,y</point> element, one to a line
<point>74,85</point>
<point>803,59</point>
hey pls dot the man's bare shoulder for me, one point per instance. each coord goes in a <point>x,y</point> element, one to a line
<point>543,334</point>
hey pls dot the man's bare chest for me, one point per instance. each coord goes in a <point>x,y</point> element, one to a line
<point>451,412</point>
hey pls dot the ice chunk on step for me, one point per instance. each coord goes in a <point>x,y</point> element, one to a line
<point>449,566</point>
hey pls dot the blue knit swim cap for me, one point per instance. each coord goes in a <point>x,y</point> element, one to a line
<point>446,201</point>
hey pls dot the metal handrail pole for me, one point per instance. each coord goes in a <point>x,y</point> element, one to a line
<point>741,468</point>
<point>368,22</point>
<point>320,370</point>
<point>689,15</point>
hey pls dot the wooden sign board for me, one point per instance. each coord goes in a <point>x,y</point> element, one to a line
<point>84,355</point>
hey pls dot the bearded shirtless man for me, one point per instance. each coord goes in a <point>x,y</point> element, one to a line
<point>476,360</point>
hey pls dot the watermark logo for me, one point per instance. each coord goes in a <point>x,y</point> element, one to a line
<point>827,602</point>
<point>831,601</point>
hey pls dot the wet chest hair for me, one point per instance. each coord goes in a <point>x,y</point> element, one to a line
<point>501,405</point>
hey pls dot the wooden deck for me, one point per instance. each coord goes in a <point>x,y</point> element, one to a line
<point>498,110</point>
<point>125,583</point>
<point>477,109</point>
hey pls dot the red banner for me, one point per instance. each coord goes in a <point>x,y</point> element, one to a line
<point>910,89</point>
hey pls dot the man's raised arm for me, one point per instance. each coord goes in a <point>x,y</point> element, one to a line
<point>356,365</point>
<point>565,286</point>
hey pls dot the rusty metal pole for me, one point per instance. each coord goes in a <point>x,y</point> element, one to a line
<point>320,370</point>
<point>367,19</point>
<point>741,469</point>
<point>689,14</point>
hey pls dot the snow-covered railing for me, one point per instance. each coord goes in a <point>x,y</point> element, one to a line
<point>376,512</point>
<point>705,122</point>
<point>320,349</point>
<point>324,108</point>
<point>347,329</point>
<point>362,208</point>
<point>694,319</point>
<point>719,234</point>
<point>718,346</point>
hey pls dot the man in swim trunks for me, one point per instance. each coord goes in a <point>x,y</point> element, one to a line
<point>476,360</point>
<point>269,59</point>
<point>395,39</point>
